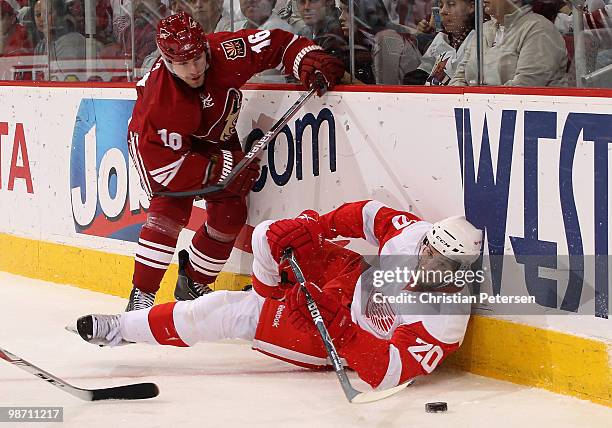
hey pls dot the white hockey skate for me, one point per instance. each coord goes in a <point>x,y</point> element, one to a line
<point>101,330</point>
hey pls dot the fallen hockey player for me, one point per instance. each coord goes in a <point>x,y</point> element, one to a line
<point>385,344</point>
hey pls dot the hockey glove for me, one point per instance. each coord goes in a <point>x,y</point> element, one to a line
<point>303,234</point>
<point>222,163</point>
<point>337,317</point>
<point>330,67</point>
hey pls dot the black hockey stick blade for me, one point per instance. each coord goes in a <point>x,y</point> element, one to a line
<point>249,157</point>
<point>352,395</point>
<point>137,391</point>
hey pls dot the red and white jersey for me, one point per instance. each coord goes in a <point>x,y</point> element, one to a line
<point>419,335</point>
<point>395,234</point>
<point>172,124</point>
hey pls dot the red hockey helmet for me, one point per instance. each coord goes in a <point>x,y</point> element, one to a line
<point>180,37</point>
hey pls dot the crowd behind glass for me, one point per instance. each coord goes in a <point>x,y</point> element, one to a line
<point>388,42</point>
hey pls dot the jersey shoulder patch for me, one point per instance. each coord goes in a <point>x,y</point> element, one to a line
<point>227,50</point>
<point>234,48</point>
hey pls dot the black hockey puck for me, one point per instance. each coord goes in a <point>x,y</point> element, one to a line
<point>436,407</point>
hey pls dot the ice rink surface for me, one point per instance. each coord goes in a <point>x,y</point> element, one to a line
<point>229,385</point>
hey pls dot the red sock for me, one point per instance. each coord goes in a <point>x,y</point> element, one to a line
<point>157,242</point>
<point>153,255</point>
<point>207,257</point>
<point>161,322</point>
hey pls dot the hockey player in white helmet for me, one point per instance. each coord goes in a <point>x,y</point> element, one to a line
<point>384,342</point>
<point>451,245</point>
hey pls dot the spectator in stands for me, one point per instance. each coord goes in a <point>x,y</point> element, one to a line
<point>258,14</point>
<point>121,12</point>
<point>411,12</point>
<point>597,38</point>
<point>421,9</point>
<point>364,67</point>
<point>288,10</point>
<point>14,39</point>
<point>447,49</point>
<point>226,16</point>
<point>147,14</point>
<point>76,15</point>
<point>206,12</point>
<point>322,24</point>
<point>25,17</point>
<point>521,48</point>
<point>598,21</point>
<point>547,8</point>
<point>103,30</point>
<point>391,48</point>
<point>596,14</point>
<point>64,43</point>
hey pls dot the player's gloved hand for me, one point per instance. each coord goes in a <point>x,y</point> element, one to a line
<point>222,163</point>
<point>331,69</point>
<point>336,316</point>
<point>303,234</point>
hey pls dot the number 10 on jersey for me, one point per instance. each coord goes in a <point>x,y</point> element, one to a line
<point>172,140</point>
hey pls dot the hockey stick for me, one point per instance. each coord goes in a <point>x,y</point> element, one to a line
<point>352,395</point>
<point>250,156</point>
<point>136,391</point>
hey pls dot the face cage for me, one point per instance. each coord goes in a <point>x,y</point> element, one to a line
<point>422,246</point>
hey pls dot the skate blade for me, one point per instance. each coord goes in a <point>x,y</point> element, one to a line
<point>73,329</point>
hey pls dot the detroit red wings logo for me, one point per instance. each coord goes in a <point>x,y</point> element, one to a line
<point>380,315</point>
<point>234,49</point>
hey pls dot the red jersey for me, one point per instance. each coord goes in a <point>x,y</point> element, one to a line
<point>18,43</point>
<point>173,125</point>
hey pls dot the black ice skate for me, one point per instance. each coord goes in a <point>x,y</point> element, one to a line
<point>186,288</point>
<point>140,300</point>
<point>102,330</point>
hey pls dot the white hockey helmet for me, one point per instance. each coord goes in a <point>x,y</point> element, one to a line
<point>456,239</point>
